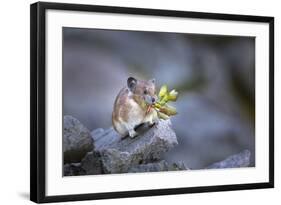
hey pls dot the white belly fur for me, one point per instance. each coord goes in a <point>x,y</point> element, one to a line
<point>135,115</point>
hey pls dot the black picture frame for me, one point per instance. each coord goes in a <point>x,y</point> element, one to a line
<point>38,100</point>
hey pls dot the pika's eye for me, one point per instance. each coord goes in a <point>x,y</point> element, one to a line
<point>145,92</point>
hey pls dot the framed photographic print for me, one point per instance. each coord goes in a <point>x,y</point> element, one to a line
<point>129,102</point>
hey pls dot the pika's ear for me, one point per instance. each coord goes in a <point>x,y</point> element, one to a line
<point>131,83</point>
<point>152,80</point>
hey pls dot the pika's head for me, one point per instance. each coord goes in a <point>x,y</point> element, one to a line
<point>143,91</point>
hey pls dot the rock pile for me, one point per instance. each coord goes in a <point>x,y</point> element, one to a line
<point>104,152</point>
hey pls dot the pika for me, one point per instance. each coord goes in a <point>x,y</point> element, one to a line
<point>132,106</point>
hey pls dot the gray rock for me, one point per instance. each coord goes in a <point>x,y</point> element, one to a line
<point>158,167</point>
<point>97,133</point>
<point>235,161</point>
<point>73,169</point>
<point>77,140</point>
<point>92,164</point>
<point>119,155</point>
<point>105,138</point>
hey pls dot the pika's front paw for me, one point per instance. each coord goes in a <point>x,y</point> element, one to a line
<point>156,122</point>
<point>153,123</point>
<point>133,133</point>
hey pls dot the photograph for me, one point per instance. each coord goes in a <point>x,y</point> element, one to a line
<point>149,101</point>
<point>134,102</point>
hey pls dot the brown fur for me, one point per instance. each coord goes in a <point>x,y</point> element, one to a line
<point>130,107</point>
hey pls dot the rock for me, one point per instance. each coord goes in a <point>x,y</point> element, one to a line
<point>77,140</point>
<point>92,164</point>
<point>113,154</point>
<point>235,161</point>
<point>73,169</point>
<point>97,133</point>
<point>104,138</point>
<point>119,155</point>
<point>158,167</point>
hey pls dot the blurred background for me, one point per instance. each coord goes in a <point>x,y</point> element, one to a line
<point>215,77</point>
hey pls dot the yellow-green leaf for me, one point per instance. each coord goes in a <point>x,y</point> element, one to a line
<point>168,110</point>
<point>162,116</point>
<point>163,91</point>
<point>173,95</point>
